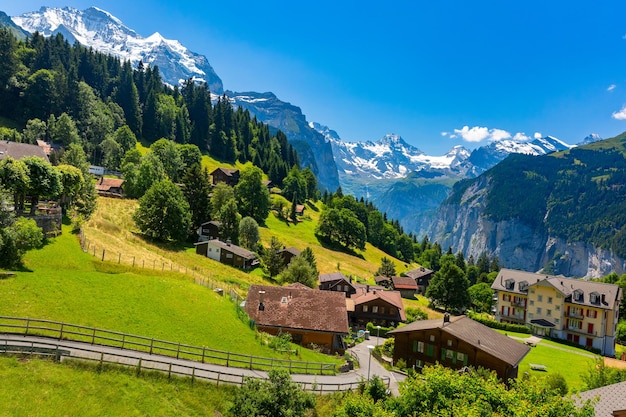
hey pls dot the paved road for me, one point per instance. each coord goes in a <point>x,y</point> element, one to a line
<point>369,366</point>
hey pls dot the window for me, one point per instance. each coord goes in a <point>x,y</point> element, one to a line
<point>449,354</point>
<point>548,312</point>
<point>419,363</point>
<point>210,249</point>
<point>538,310</point>
<point>532,302</point>
<point>374,309</point>
<point>449,342</point>
<point>430,350</point>
<point>432,338</point>
<point>531,315</point>
<point>532,291</point>
<point>461,357</point>
<point>549,300</point>
<point>420,347</point>
<point>229,256</point>
<point>557,307</point>
<point>594,298</point>
<point>540,298</point>
<point>557,321</point>
<point>578,295</point>
<point>365,309</point>
<point>382,310</point>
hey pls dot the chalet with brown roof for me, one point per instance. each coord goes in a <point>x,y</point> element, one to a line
<point>288,254</point>
<point>209,230</point>
<point>110,187</point>
<point>227,253</point>
<point>373,304</point>
<point>383,281</point>
<point>300,209</point>
<point>336,281</point>
<point>422,277</point>
<point>225,175</point>
<point>405,285</point>
<point>312,317</point>
<point>456,343</point>
<point>577,310</point>
<point>17,150</point>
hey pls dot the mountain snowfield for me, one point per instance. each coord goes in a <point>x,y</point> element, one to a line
<point>104,32</point>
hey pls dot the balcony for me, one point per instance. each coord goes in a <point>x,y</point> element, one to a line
<point>519,303</point>
<point>575,315</point>
<point>582,331</point>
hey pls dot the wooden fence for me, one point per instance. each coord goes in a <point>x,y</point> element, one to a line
<point>95,336</point>
<point>171,367</point>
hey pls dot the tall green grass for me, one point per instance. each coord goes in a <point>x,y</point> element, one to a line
<point>44,388</point>
<point>64,284</point>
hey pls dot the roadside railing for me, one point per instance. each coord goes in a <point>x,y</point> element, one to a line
<point>170,366</point>
<point>94,336</point>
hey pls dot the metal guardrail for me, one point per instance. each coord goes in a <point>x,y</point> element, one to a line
<point>95,336</point>
<point>171,367</point>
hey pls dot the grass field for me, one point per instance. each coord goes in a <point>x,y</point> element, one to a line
<point>43,388</point>
<point>65,284</point>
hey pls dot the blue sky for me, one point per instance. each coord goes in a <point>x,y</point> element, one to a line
<point>438,73</point>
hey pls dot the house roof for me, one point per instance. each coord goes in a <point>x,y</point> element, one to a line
<point>475,334</point>
<point>215,223</point>
<point>298,285</point>
<point>404,283</point>
<point>418,272</point>
<point>611,398</point>
<point>380,279</point>
<point>298,308</point>
<point>226,171</point>
<point>300,208</point>
<point>291,250</point>
<point>105,184</point>
<point>237,250</point>
<point>542,323</point>
<point>333,276</point>
<point>391,297</point>
<point>610,293</point>
<point>20,150</point>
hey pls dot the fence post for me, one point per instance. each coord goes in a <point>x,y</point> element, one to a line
<point>203,349</point>
<point>169,372</point>
<point>162,266</point>
<point>139,367</point>
<point>178,351</point>
<point>61,332</point>
<point>103,255</point>
<point>218,378</point>
<point>93,336</point>
<point>123,340</point>
<point>119,257</point>
<point>227,358</point>
<point>133,261</point>
<point>27,325</point>
<point>101,359</point>
<point>154,264</point>
<point>151,344</point>
<point>250,362</point>
<point>94,250</point>
<point>193,374</point>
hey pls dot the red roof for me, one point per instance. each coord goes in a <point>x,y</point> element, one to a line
<point>391,297</point>
<point>404,283</point>
<point>105,184</point>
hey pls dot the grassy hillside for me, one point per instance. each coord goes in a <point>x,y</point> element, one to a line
<point>64,284</point>
<point>73,388</point>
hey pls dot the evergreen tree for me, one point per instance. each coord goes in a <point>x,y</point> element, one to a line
<point>253,197</point>
<point>308,254</point>
<point>387,268</point>
<point>197,191</point>
<point>299,270</point>
<point>272,258</point>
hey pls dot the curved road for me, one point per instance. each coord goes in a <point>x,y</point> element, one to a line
<point>369,366</point>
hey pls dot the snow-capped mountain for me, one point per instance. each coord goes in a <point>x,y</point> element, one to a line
<point>594,137</point>
<point>489,155</point>
<point>105,33</point>
<point>389,157</point>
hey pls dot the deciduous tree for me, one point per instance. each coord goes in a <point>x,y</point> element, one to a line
<point>163,212</point>
<point>253,198</point>
<point>449,287</point>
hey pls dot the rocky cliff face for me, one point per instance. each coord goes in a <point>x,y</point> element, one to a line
<point>464,227</point>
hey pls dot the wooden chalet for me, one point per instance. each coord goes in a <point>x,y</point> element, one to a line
<point>456,343</point>
<point>336,281</point>
<point>373,304</point>
<point>110,187</point>
<point>311,317</point>
<point>289,253</point>
<point>225,175</point>
<point>406,286</point>
<point>422,277</point>
<point>227,253</point>
<point>209,230</point>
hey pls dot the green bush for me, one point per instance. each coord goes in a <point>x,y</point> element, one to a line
<point>517,328</point>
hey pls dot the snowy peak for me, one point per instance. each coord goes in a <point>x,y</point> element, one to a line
<point>389,157</point>
<point>105,33</point>
<point>594,137</point>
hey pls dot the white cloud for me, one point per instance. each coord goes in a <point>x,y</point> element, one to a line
<point>521,136</point>
<point>537,135</point>
<point>478,134</point>
<point>444,133</point>
<point>611,87</point>
<point>620,115</point>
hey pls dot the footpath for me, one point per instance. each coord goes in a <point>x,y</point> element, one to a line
<point>369,366</point>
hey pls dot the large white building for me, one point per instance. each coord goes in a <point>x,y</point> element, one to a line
<point>580,311</point>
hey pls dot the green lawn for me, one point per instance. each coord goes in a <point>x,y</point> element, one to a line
<point>70,286</point>
<point>43,388</point>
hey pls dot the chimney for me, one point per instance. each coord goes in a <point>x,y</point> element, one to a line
<point>367,288</point>
<point>446,318</point>
<point>603,298</point>
<point>261,306</point>
<point>374,291</point>
<point>228,242</point>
